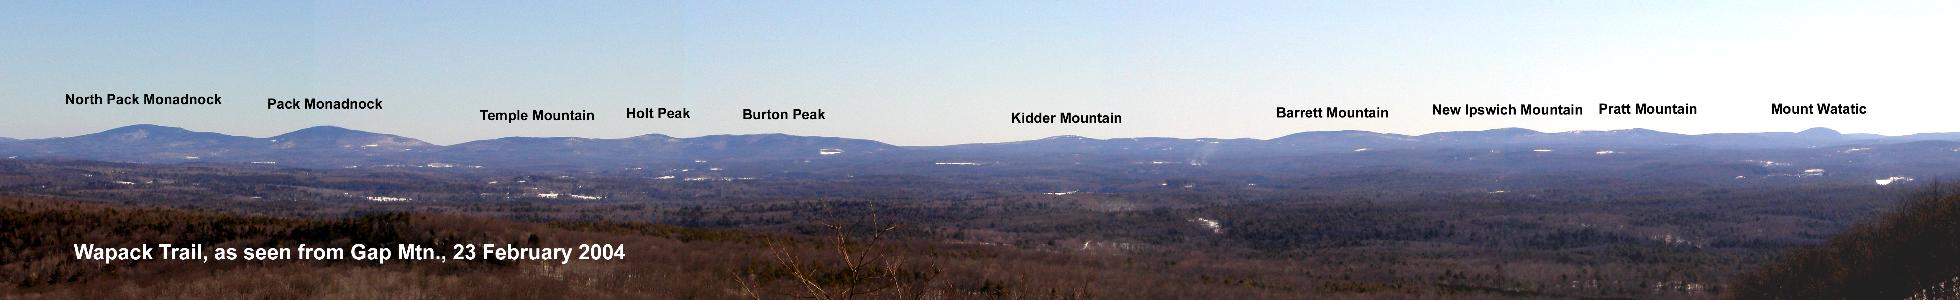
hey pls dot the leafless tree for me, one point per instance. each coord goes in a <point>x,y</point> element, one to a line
<point>864,268</point>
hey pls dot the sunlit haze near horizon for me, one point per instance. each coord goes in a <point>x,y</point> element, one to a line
<point>940,72</point>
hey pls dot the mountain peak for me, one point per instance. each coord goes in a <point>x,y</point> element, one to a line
<point>1335,134</point>
<point>334,136</point>
<point>1487,133</point>
<point>140,131</point>
<point>151,134</point>
<point>1819,131</point>
<point>652,136</point>
<point>326,128</point>
<point>145,127</point>
<point>1512,130</point>
<point>320,131</point>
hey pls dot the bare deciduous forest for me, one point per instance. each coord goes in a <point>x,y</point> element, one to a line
<point>1394,224</point>
<point>883,237</point>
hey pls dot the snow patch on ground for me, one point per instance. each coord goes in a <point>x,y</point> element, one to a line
<point>1893,179</point>
<point>1767,163</point>
<point>572,196</point>
<point>1209,224</point>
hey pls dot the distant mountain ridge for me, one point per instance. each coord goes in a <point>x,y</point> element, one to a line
<point>330,146</point>
<point>336,137</point>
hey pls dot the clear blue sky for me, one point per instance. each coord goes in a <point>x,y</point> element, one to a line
<point>942,72</point>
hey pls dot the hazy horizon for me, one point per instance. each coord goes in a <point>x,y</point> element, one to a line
<point>950,72</point>
<point>379,131</point>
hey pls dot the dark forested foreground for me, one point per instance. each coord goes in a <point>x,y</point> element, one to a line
<point>1912,252</point>
<point>1655,231</point>
<point>1908,253</point>
<point>666,262</point>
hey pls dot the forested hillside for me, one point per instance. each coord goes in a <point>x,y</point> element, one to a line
<point>1913,251</point>
<point>662,262</point>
